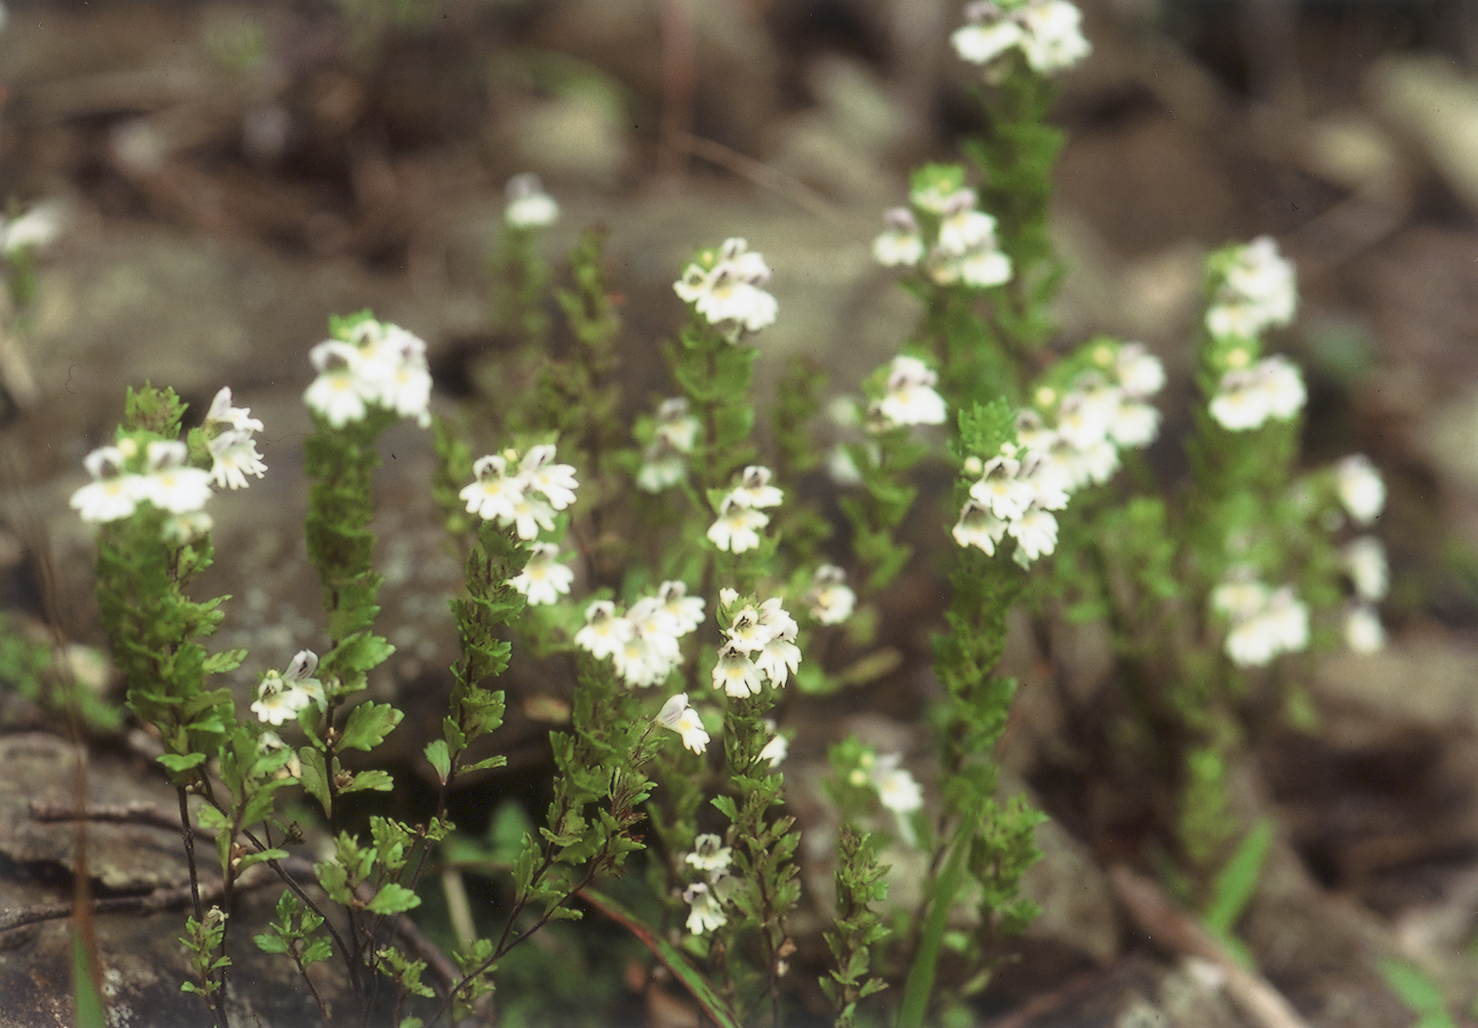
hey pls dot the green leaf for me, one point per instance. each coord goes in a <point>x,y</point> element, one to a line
<point>1415,988</point>
<point>228,660</point>
<point>393,899</point>
<point>440,759</point>
<point>1236,883</point>
<point>179,762</point>
<point>261,858</point>
<point>377,781</point>
<point>490,762</point>
<point>368,725</point>
<point>269,943</point>
<point>315,777</point>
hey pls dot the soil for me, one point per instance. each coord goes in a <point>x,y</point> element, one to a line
<point>233,173</point>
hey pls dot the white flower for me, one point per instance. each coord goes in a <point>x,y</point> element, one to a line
<point>1282,385</point>
<point>735,673</point>
<point>493,494</point>
<point>780,657</point>
<point>675,426</point>
<point>1363,630</point>
<point>280,697</point>
<point>897,789</point>
<point>966,230</point>
<point>900,245</point>
<point>911,399</point>
<point>709,854</point>
<point>1001,491</point>
<point>677,715</point>
<point>555,481</point>
<point>662,468</point>
<point>1035,533</point>
<point>979,527</point>
<point>1360,488</point>
<point>183,529</point>
<point>983,43</point>
<point>604,632</point>
<point>112,494</point>
<point>1365,561</point>
<point>234,456</point>
<point>529,206</point>
<point>652,623</point>
<point>544,579</point>
<point>776,749</point>
<point>1054,37</point>
<point>684,612</point>
<point>754,489</point>
<point>728,294</point>
<point>747,632</point>
<point>737,527</point>
<point>1264,622</point>
<point>1135,424</point>
<point>1288,620</point>
<point>1240,402</point>
<point>36,228</point>
<point>338,393</point>
<point>830,599</point>
<point>1240,597</point>
<point>1259,290</point>
<point>171,484</point>
<point>1139,372</point>
<point>705,914</point>
<point>222,413</point>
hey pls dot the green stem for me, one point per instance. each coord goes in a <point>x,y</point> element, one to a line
<point>920,984</point>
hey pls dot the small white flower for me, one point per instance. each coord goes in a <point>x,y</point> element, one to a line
<point>112,494</point>
<point>983,43</point>
<point>684,612</point>
<point>222,413</point>
<point>830,599</point>
<point>1001,491</point>
<point>754,489</point>
<point>1360,488</point>
<point>966,230</point>
<point>171,484</point>
<point>1363,631</point>
<point>1365,561</point>
<point>234,456</point>
<point>709,854</point>
<point>38,227</point>
<point>900,245</point>
<point>1240,597</point>
<point>705,914</point>
<point>1282,385</point>
<point>911,399</point>
<point>676,426</point>
<point>1288,620</point>
<point>662,468</point>
<point>339,394</point>
<point>604,632</point>
<point>737,527</point>
<point>280,697</point>
<point>184,529</point>
<point>1135,425</point>
<point>728,294</point>
<point>544,579</point>
<point>897,789</point>
<point>978,527</point>
<point>493,494</point>
<point>1240,402</point>
<point>1260,290</point>
<point>678,716</point>
<point>1035,533</point>
<point>1053,37</point>
<point>780,657</point>
<point>1139,372</point>
<point>747,632</point>
<point>529,206</point>
<point>735,673</point>
<point>555,481</point>
<point>776,749</point>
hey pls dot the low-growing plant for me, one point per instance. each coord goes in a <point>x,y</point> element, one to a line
<point>710,594</point>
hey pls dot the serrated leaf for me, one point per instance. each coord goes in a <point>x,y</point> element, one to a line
<point>373,781</point>
<point>393,899</point>
<point>227,660</point>
<point>179,762</point>
<point>368,725</point>
<point>490,762</point>
<point>269,943</point>
<point>314,777</point>
<point>440,759</point>
<point>261,858</point>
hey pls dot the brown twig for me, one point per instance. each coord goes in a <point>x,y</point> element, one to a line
<point>1174,929</point>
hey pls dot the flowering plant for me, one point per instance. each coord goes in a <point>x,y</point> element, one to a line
<point>680,587</point>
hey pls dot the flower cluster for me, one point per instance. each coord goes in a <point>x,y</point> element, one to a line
<point>524,492</point>
<point>370,364</point>
<point>676,714</point>
<point>543,579</point>
<point>233,446</point>
<point>944,235</point>
<point>1019,488</point>
<point>759,646</point>
<point>664,461</point>
<point>910,398</point>
<point>282,696</point>
<point>1257,289</point>
<point>829,598</point>
<point>1247,397</point>
<point>1264,621</point>
<point>1048,33</point>
<point>706,900</point>
<point>725,286</point>
<point>529,206</point>
<point>122,478</point>
<point>644,642</point>
<point>741,512</point>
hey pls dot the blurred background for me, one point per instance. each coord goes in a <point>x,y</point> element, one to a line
<point>226,175</point>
